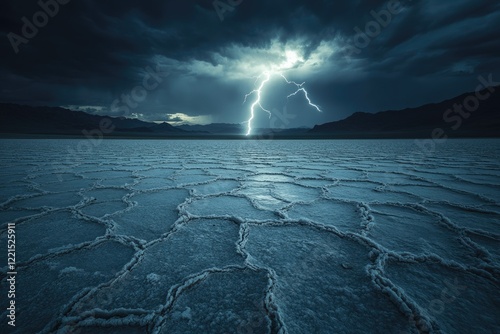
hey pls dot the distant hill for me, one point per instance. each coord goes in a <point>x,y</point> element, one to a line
<point>215,128</point>
<point>238,129</point>
<point>420,121</point>
<point>18,119</point>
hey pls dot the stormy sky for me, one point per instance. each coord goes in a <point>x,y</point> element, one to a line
<point>193,61</point>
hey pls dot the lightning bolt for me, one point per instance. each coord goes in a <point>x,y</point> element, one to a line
<point>258,92</point>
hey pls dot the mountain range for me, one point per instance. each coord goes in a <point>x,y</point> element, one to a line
<point>474,114</point>
<point>463,116</point>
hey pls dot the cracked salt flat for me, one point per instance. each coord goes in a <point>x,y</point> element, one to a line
<point>477,219</point>
<point>444,292</point>
<point>344,216</point>
<point>488,245</point>
<point>254,237</point>
<point>227,206</point>
<point>13,215</point>
<point>68,186</point>
<point>230,296</point>
<point>216,187</point>
<point>104,209</point>
<point>12,189</point>
<point>262,196</point>
<point>325,273</point>
<point>57,200</point>
<point>173,260</point>
<point>45,227</point>
<point>150,214</point>
<point>153,183</point>
<point>52,282</point>
<point>369,192</point>
<point>403,229</point>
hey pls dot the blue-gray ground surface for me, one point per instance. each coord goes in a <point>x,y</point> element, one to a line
<point>125,236</point>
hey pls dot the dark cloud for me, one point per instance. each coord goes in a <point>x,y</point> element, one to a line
<point>93,53</point>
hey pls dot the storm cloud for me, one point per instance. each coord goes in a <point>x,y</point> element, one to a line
<point>352,56</point>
